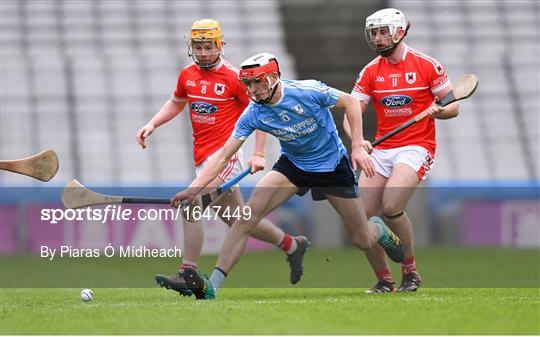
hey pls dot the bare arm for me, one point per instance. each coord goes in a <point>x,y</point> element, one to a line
<point>257,161</point>
<point>360,147</point>
<point>260,141</point>
<point>346,125</point>
<point>167,112</point>
<point>447,112</point>
<point>217,163</point>
<point>210,171</point>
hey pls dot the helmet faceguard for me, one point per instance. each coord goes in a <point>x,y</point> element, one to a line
<point>260,73</point>
<point>206,30</point>
<point>386,22</point>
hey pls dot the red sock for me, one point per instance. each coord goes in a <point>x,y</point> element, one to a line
<point>384,275</point>
<point>287,244</point>
<point>188,264</point>
<point>408,265</point>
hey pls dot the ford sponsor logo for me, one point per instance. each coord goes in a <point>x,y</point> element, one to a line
<point>396,101</point>
<point>203,108</point>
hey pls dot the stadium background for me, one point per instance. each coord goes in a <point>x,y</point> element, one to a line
<point>82,77</point>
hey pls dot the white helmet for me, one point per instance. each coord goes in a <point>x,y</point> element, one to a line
<point>391,18</point>
<point>260,68</point>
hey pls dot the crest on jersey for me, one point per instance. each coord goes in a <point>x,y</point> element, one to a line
<point>439,68</point>
<point>219,88</point>
<point>410,77</point>
<point>298,109</point>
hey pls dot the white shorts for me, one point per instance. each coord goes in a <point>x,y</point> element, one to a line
<point>233,168</point>
<point>414,156</point>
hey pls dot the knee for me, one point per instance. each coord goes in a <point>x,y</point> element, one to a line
<point>248,223</point>
<point>255,214</point>
<point>392,210</point>
<point>361,242</point>
<point>244,226</point>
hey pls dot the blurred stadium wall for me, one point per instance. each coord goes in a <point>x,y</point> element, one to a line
<point>82,77</point>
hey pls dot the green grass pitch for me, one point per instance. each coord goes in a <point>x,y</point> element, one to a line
<point>467,291</point>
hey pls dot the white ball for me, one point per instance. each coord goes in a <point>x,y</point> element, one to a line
<point>87,295</point>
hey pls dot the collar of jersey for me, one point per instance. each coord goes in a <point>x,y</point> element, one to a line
<point>405,52</point>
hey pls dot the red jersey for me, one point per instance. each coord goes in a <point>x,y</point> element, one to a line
<point>216,99</point>
<point>400,92</point>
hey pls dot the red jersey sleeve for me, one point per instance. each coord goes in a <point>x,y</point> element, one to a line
<point>363,86</point>
<point>180,93</point>
<point>437,77</point>
<point>241,95</point>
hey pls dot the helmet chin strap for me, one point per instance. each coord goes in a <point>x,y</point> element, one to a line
<point>387,51</point>
<point>269,98</point>
<point>271,87</point>
<point>206,66</point>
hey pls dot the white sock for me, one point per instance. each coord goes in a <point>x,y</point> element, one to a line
<point>217,277</point>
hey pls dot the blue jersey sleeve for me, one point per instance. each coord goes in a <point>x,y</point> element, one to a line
<point>326,96</point>
<point>245,125</point>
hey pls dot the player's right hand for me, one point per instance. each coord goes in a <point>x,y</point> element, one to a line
<point>143,133</point>
<point>182,198</point>
<point>257,163</point>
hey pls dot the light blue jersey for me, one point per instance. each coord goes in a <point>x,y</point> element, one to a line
<point>302,122</point>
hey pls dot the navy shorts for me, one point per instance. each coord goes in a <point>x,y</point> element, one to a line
<point>341,182</point>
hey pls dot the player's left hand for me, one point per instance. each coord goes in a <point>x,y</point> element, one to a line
<point>360,157</point>
<point>435,110</point>
<point>257,163</point>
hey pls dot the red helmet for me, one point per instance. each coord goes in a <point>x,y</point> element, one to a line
<point>260,67</point>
